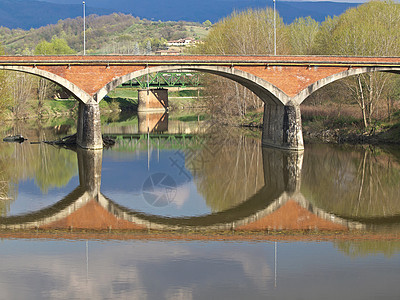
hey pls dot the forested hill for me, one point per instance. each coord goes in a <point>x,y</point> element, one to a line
<point>28,14</point>
<point>114,33</point>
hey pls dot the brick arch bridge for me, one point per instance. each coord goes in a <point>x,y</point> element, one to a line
<point>281,82</point>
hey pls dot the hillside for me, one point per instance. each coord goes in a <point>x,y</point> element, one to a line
<point>115,33</point>
<point>28,14</point>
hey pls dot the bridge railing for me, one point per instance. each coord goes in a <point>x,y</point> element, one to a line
<point>165,79</point>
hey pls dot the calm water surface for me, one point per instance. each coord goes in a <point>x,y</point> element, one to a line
<point>197,177</point>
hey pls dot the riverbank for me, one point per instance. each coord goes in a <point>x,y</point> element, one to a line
<point>321,125</point>
<point>347,130</point>
<point>179,98</point>
<point>119,100</point>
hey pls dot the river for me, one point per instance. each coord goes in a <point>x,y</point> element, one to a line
<point>190,210</point>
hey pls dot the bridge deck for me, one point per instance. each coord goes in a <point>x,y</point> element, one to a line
<point>200,59</point>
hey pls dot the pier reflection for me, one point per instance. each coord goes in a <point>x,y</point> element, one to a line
<point>152,122</point>
<point>246,187</point>
<point>155,122</point>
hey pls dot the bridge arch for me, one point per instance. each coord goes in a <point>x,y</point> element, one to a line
<point>250,211</point>
<point>78,93</point>
<point>299,98</point>
<point>266,91</point>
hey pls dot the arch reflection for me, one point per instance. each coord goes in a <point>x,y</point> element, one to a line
<point>285,198</point>
<point>360,184</point>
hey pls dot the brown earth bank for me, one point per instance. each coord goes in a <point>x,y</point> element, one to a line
<point>330,124</point>
<point>348,135</point>
<point>256,236</point>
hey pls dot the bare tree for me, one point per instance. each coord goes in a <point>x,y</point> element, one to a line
<point>21,87</point>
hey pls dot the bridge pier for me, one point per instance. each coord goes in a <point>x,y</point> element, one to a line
<point>282,127</point>
<point>90,163</point>
<point>89,126</point>
<point>282,170</point>
<point>152,100</point>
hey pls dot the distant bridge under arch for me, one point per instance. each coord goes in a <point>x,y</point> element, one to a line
<point>281,82</point>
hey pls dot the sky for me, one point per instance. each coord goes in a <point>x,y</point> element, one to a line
<point>346,1</point>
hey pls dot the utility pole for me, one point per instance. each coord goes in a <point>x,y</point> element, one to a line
<point>84,28</point>
<point>274,28</point>
<point>276,253</point>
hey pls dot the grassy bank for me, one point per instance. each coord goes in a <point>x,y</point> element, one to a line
<point>48,109</point>
<point>178,98</point>
<point>119,100</point>
<point>188,116</point>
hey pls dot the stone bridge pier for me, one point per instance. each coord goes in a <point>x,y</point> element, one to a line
<point>88,134</point>
<point>90,164</point>
<point>282,127</point>
<point>282,170</point>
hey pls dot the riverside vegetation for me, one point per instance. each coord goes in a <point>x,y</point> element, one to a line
<point>26,95</point>
<point>360,108</point>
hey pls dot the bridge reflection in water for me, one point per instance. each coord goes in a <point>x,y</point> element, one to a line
<point>154,122</point>
<point>277,203</point>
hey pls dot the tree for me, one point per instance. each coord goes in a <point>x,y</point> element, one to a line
<point>148,47</point>
<point>56,46</point>
<point>242,33</point>
<point>5,93</point>
<point>247,32</point>
<point>371,29</point>
<point>207,23</point>
<point>44,48</point>
<point>303,33</point>
<point>363,248</point>
<point>136,49</point>
<point>21,89</point>
<point>61,46</point>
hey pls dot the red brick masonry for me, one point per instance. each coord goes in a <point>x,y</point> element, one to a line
<point>291,74</point>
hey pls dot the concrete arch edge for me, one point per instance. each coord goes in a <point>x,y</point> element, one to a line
<point>78,93</point>
<point>300,97</point>
<point>267,92</point>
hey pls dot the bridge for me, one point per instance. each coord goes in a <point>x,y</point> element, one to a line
<point>281,82</point>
